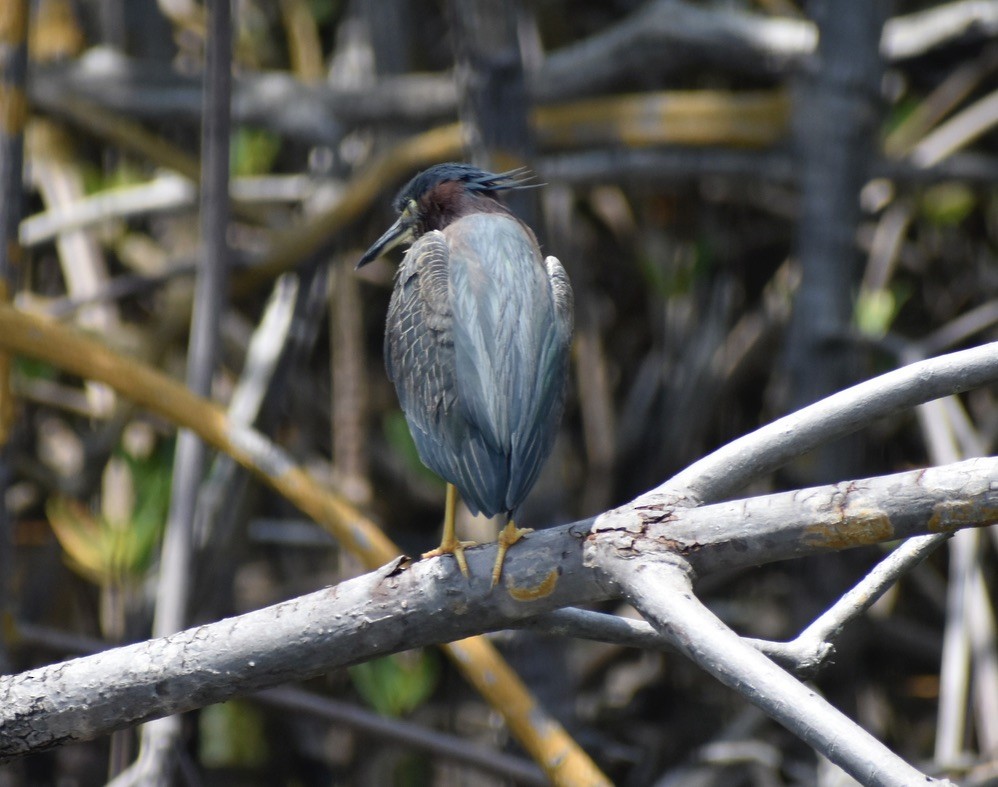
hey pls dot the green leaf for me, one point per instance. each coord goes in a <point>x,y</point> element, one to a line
<point>231,735</point>
<point>79,535</point>
<point>899,113</point>
<point>398,684</point>
<point>253,151</point>
<point>36,370</point>
<point>323,10</point>
<point>113,552</point>
<point>948,204</point>
<point>876,310</point>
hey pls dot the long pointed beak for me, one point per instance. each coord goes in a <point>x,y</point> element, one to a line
<point>398,233</point>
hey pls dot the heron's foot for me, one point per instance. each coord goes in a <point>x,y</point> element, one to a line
<point>455,548</point>
<point>509,536</point>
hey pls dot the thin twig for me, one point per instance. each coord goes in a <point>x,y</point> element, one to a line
<point>984,652</point>
<point>215,518</point>
<point>958,330</point>
<point>954,672</point>
<point>811,648</point>
<point>159,738</point>
<point>624,632</point>
<point>662,593</point>
<point>915,34</point>
<point>166,192</point>
<point>13,114</point>
<point>448,747</point>
<point>959,131</point>
<point>959,84</point>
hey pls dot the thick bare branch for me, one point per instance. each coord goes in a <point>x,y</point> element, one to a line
<point>808,521</point>
<point>402,606</point>
<point>725,471</point>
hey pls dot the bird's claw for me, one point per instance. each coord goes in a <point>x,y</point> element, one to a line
<point>455,548</point>
<point>509,536</point>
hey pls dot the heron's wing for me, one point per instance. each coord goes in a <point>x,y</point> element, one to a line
<point>536,433</point>
<point>510,342</point>
<point>418,327</point>
<point>419,359</point>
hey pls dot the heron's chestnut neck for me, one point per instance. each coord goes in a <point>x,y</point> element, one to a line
<point>448,201</point>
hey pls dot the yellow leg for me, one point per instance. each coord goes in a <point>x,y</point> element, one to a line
<point>509,536</point>
<point>449,545</point>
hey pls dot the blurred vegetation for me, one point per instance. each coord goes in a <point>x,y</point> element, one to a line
<point>673,196</point>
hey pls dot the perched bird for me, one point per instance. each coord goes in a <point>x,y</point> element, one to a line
<point>476,342</point>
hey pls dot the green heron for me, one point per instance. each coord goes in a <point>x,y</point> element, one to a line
<point>476,342</point>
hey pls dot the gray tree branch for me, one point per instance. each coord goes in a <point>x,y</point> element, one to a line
<point>661,590</point>
<point>731,467</point>
<point>405,605</point>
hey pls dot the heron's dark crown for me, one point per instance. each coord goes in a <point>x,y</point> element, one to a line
<point>446,192</point>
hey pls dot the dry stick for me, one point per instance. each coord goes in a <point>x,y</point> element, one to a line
<point>958,330</point>
<point>290,247</point>
<point>980,617</point>
<point>617,630</point>
<point>163,193</point>
<point>160,737</point>
<point>348,386</point>
<point>13,113</point>
<point>984,650</point>
<point>754,119</point>
<point>959,84</point>
<point>215,517</point>
<point>406,733</point>
<point>129,135</point>
<point>808,651</point>
<point>545,740</point>
<point>663,593</point>
<point>959,131</point>
<point>954,672</point>
<point>915,34</point>
<point>669,117</point>
<point>728,469</point>
<point>59,181</point>
<point>804,655</point>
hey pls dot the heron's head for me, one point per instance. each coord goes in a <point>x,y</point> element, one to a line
<point>438,196</point>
